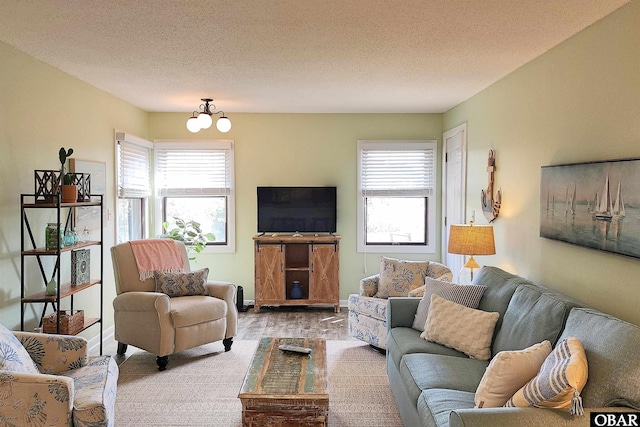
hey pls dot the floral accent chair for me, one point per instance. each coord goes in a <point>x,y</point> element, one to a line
<point>49,380</point>
<point>368,309</point>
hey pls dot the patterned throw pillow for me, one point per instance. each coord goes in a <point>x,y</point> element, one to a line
<point>467,295</point>
<point>461,328</point>
<point>507,372</point>
<point>13,356</point>
<point>397,277</point>
<point>182,284</point>
<point>559,381</point>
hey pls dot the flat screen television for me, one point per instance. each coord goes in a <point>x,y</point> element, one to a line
<point>296,209</point>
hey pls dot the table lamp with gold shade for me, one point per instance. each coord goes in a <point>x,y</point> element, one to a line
<point>471,240</point>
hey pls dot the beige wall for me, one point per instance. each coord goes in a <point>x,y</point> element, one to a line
<point>299,149</point>
<point>41,110</point>
<point>578,102</point>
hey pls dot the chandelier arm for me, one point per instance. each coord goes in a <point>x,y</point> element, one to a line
<point>208,108</point>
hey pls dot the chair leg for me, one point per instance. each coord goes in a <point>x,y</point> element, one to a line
<point>162,362</point>
<point>122,348</point>
<point>227,343</point>
<point>378,349</point>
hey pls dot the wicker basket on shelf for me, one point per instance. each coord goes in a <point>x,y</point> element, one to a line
<point>71,322</point>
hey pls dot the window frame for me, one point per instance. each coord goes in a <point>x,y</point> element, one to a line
<point>159,200</point>
<point>137,194</point>
<point>431,202</point>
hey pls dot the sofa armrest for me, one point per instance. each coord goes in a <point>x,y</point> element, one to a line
<point>54,354</point>
<point>401,311</point>
<point>490,417</point>
<point>226,291</point>
<point>33,392</point>
<point>369,285</point>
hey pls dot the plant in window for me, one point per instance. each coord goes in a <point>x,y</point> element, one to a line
<point>188,232</point>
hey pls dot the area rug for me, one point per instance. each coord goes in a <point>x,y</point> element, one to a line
<point>200,387</point>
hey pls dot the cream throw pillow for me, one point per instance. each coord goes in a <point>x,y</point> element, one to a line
<point>461,328</point>
<point>507,372</point>
<point>559,381</point>
<point>397,277</point>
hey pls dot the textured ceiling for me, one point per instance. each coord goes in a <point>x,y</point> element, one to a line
<point>293,55</point>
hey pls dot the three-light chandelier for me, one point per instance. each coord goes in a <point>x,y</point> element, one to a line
<point>202,119</point>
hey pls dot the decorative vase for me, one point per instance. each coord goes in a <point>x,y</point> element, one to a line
<point>52,288</point>
<point>296,290</point>
<point>69,193</point>
<point>53,237</point>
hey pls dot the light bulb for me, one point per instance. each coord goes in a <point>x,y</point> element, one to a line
<point>223,124</point>
<point>193,125</point>
<point>204,120</point>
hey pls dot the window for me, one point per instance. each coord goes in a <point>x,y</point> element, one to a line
<point>194,181</point>
<point>134,186</point>
<point>396,196</point>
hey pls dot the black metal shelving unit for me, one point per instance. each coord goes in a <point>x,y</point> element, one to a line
<point>64,290</point>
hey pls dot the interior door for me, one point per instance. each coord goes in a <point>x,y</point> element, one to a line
<point>454,172</point>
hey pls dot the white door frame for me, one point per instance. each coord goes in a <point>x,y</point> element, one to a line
<point>447,218</point>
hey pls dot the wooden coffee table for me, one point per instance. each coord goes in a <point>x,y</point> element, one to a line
<point>286,389</point>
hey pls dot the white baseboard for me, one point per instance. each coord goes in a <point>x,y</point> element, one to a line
<point>107,338</point>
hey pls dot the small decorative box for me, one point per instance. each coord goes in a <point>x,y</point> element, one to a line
<point>80,260</point>
<point>83,182</point>
<point>47,185</point>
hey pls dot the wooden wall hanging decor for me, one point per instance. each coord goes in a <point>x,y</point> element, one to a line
<point>491,205</point>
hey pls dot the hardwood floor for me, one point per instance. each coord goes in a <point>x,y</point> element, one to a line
<point>309,322</point>
<point>305,322</point>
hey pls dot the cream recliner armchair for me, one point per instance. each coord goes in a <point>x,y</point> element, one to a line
<point>162,325</point>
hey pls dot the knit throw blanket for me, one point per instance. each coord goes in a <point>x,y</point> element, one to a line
<point>156,255</point>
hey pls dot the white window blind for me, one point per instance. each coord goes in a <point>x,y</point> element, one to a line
<point>134,177</point>
<point>194,169</point>
<point>397,171</point>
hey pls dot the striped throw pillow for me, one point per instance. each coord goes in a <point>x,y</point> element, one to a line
<point>467,295</point>
<point>559,381</point>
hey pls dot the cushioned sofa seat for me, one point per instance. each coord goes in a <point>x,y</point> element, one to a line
<point>429,371</point>
<point>405,341</point>
<point>435,405</point>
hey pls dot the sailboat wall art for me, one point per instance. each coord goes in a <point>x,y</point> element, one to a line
<point>595,204</point>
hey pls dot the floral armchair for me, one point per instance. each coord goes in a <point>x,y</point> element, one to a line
<point>48,379</point>
<point>368,308</point>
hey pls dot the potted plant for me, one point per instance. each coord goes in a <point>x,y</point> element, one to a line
<point>188,232</point>
<point>69,190</point>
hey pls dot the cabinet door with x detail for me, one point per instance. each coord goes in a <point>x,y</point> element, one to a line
<point>269,274</point>
<point>324,273</point>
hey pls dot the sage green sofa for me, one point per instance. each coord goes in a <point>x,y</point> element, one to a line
<point>434,385</point>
